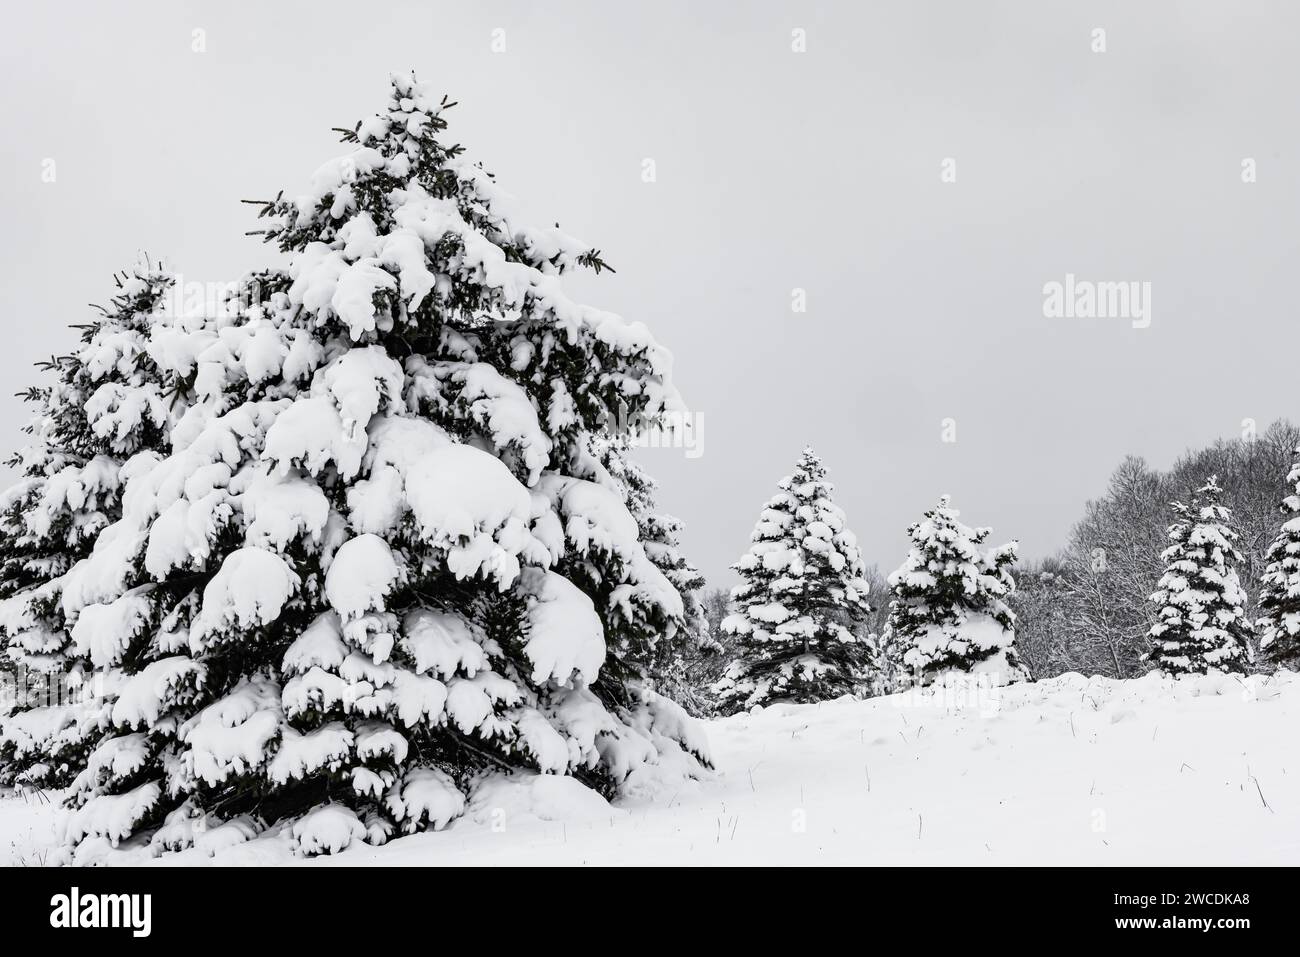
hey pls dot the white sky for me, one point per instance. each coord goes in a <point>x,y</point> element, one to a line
<point>775,170</point>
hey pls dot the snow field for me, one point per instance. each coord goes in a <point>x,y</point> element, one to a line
<point>1068,771</point>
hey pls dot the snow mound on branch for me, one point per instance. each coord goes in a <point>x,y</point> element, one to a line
<point>400,441</point>
<point>428,795</point>
<point>101,577</point>
<point>250,589</point>
<point>36,729</point>
<point>497,405</point>
<point>232,735</point>
<point>595,518</point>
<point>327,830</point>
<point>362,382</point>
<point>279,509</point>
<point>442,643</point>
<point>375,504</point>
<point>112,816</point>
<point>310,433</point>
<point>666,720</point>
<point>361,576</point>
<point>140,697</point>
<point>319,646</point>
<point>103,632</point>
<point>468,502</point>
<point>301,754</point>
<point>203,835</point>
<point>117,757</point>
<point>565,635</point>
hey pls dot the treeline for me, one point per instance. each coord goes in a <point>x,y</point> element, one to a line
<point>1194,547</point>
<point>1087,608</point>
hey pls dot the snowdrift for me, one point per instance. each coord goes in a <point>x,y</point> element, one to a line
<point>1072,770</point>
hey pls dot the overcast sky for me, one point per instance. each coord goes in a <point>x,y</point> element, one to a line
<point>775,170</point>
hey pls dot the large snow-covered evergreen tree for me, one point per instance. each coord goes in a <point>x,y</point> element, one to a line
<point>1202,624</point>
<point>949,610</point>
<point>803,593</point>
<point>108,404</point>
<point>1279,597</point>
<point>379,561</point>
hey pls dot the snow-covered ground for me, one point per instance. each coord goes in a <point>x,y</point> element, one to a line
<point>1065,771</point>
<point>28,829</point>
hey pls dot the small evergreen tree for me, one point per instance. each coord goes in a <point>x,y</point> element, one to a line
<point>892,673</point>
<point>949,609</point>
<point>802,597</point>
<point>684,662</point>
<point>1279,596</point>
<point>109,404</point>
<point>1202,624</point>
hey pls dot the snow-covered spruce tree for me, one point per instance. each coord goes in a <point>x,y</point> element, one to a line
<point>687,660</point>
<point>379,563</point>
<point>889,674</point>
<point>1279,595</point>
<point>802,596</point>
<point>108,404</point>
<point>949,609</point>
<point>1202,624</point>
